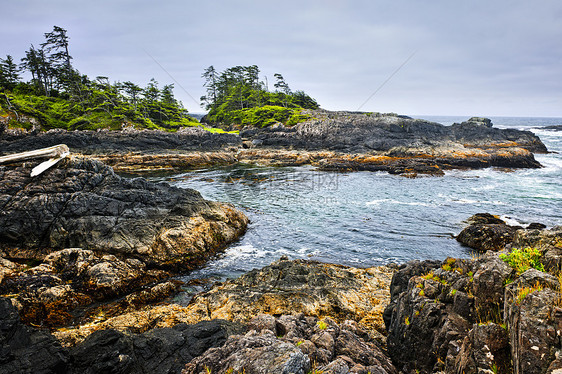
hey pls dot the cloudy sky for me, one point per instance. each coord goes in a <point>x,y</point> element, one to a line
<point>488,58</point>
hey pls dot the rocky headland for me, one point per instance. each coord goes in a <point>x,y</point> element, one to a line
<point>329,141</point>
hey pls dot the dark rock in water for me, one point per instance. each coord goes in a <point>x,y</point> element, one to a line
<point>552,128</point>
<point>82,203</point>
<point>487,233</point>
<point>536,226</point>
<point>485,219</point>
<point>296,344</point>
<point>162,351</point>
<point>24,349</point>
<point>479,121</point>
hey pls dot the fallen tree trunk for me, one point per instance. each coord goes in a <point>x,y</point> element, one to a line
<point>56,153</point>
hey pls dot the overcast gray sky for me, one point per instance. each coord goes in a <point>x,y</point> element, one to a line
<point>489,58</point>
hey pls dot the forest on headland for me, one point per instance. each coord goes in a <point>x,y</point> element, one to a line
<point>57,95</point>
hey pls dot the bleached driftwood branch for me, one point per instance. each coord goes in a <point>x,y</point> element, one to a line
<point>57,153</point>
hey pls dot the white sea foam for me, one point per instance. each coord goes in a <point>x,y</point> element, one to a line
<point>392,201</point>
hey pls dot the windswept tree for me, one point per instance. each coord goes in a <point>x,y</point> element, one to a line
<point>281,85</point>
<point>211,83</point>
<point>133,92</point>
<point>36,63</point>
<point>58,57</point>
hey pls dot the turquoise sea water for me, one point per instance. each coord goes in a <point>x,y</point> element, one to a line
<point>364,218</point>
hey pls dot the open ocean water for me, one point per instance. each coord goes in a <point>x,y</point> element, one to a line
<point>363,218</point>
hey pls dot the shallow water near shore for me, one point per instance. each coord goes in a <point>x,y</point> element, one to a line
<point>366,219</point>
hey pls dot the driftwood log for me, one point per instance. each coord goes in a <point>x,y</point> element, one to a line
<point>56,153</point>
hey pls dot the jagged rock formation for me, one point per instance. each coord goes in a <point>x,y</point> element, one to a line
<point>284,287</point>
<point>83,203</point>
<point>296,344</point>
<point>128,140</point>
<point>479,315</point>
<point>26,349</point>
<point>89,235</point>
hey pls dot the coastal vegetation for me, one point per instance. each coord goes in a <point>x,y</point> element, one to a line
<point>237,96</point>
<point>59,96</point>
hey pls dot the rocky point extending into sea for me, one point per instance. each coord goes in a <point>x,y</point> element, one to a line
<point>329,141</point>
<point>88,259</point>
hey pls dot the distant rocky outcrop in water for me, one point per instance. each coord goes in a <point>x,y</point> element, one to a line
<point>330,141</point>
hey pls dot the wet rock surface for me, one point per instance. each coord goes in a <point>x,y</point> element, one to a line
<point>486,232</point>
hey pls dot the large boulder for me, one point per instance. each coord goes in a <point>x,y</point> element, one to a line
<point>83,203</point>
<point>486,232</point>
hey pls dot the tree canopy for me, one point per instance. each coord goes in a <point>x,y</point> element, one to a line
<point>238,96</point>
<point>60,97</point>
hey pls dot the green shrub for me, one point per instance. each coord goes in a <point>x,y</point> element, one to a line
<point>523,259</point>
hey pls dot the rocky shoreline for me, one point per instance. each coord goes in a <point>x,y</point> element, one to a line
<point>341,141</point>
<point>478,315</point>
<point>88,259</point>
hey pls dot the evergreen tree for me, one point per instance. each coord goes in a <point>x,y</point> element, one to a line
<point>56,48</point>
<point>9,73</point>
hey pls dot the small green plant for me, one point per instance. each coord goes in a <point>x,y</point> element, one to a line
<point>407,321</point>
<point>449,264</point>
<point>207,370</point>
<point>431,276</point>
<point>523,259</point>
<point>416,313</point>
<point>422,293</point>
<point>494,369</point>
<point>300,342</point>
<point>453,292</point>
<point>525,291</point>
<point>470,276</point>
<point>321,325</point>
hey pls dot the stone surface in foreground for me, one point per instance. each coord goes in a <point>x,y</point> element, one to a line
<point>284,287</point>
<point>83,203</point>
